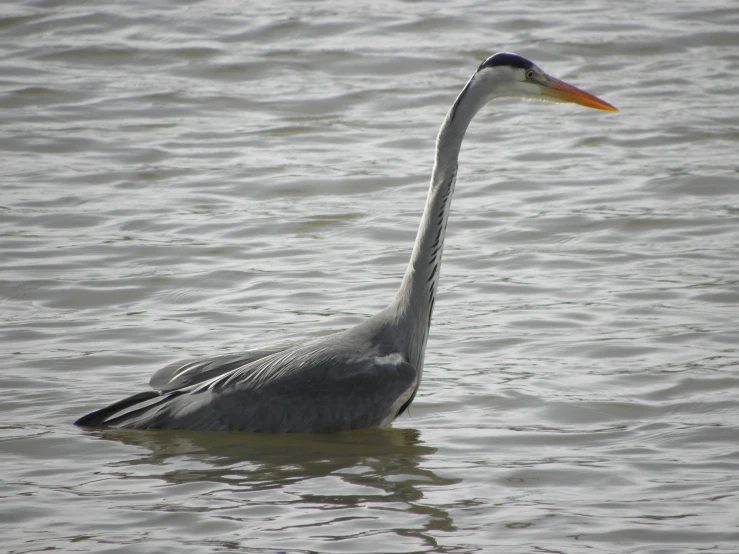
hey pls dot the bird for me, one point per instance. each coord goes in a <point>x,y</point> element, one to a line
<point>361,377</point>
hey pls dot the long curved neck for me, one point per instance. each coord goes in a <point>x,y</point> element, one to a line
<point>414,302</point>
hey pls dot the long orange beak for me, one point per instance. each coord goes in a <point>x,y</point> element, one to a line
<point>567,93</point>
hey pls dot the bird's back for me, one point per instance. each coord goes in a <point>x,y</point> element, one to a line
<point>344,381</point>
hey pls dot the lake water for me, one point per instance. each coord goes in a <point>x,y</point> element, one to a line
<point>195,178</point>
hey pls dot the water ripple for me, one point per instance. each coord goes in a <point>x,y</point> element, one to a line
<point>184,180</point>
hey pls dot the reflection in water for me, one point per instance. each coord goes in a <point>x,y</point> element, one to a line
<point>377,468</point>
<point>171,193</point>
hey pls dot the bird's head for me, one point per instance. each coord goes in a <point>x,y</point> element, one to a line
<point>506,74</point>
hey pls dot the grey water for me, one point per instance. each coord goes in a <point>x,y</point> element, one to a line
<point>185,179</point>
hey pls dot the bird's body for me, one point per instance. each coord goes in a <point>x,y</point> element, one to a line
<point>290,389</point>
<point>361,377</point>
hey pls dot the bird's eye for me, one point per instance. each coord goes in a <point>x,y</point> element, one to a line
<point>530,74</point>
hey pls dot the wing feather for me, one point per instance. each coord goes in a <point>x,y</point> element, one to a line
<point>302,390</point>
<point>191,372</point>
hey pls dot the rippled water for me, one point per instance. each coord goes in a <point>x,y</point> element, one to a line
<point>195,178</point>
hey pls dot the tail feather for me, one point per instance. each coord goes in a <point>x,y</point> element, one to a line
<point>98,418</point>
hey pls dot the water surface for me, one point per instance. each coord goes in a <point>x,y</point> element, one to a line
<point>190,179</point>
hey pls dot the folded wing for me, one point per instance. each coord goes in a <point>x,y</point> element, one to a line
<point>305,389</point>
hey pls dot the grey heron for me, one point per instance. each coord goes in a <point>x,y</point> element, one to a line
<point>365,376</point>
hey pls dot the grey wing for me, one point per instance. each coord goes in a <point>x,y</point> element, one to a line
<point>191,372</point>
<point>288,392</point>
